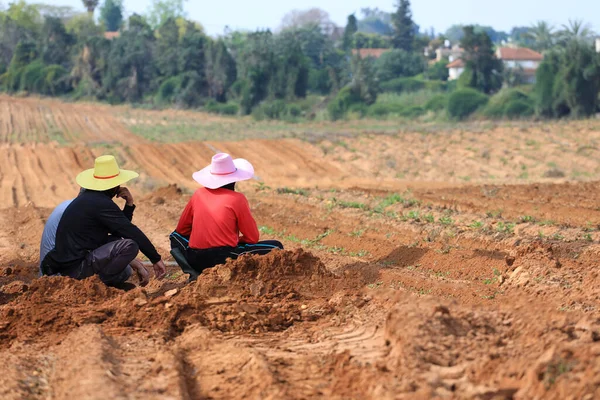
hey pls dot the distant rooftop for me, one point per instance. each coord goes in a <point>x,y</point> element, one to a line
<point>112,35</point>
<point>365,53</point>
<point>519,54</point>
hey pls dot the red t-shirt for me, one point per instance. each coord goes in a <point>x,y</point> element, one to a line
<point>215,218</point>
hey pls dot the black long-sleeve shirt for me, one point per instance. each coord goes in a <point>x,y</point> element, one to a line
<point>86,225</point>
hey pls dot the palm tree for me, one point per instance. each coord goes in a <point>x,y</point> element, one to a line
<point>542,35</point>
<point>575,30</point>
<point>90,5</point>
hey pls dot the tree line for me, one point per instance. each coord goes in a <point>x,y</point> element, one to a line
<point>162,58</point>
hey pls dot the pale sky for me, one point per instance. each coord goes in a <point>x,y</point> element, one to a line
<point>502,15</point>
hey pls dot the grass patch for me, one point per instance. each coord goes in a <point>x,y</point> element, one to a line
<point>505,227</point>
<point>286,190</point>
<point>266,230</point>
<point>446,220</point>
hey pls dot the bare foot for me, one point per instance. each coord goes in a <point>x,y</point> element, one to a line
<point>141,271</point>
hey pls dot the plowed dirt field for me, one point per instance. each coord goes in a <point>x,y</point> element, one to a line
<point>401,279</point>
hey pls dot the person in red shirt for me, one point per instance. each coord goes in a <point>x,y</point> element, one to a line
<point>217,223</point>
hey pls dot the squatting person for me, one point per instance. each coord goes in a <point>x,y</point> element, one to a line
<point>217,223</point>
<point>94,236</point>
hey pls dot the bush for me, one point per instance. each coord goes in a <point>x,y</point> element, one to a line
<point>32,77</point>
<point>379,110</point>
<point>54,80</point>
<point>168,90</point>
<point>438,70</point>
<point>400,85</point>
<point>519,109</point>
<point>345,98</point>
<point>398,63</point>
<point>436,86</point>
<point>319,81</point>
<point>222,108</point>
<point>277,109</point>
<point>496,108</point>
<point>464,102</point>
<point>437,103</point>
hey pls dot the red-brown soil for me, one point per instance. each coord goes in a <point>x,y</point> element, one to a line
<point>387,289</point>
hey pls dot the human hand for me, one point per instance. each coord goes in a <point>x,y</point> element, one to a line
<point>125,194</point>
<point>160,270</point>
<point>141,272</point>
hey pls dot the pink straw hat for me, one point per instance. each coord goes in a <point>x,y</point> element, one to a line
<point>224,170</point>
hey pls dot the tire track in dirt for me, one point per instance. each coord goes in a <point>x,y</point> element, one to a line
<point>39,120</point>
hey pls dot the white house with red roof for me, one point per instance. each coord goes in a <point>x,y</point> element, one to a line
<point>525,60</point>
<point>455,69</point>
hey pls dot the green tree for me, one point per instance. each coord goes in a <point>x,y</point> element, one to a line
<point>371,41</point>
<point>349,31</point>
<point>111,15</point>
<point>579,78</point>
<point>404,27</point>
<point>56,42</point>
<point>168,49</point>
<point>25,53</point>
<point>438,70</point>
<point>545,78</point>
<point>161,10</point>
<point>131,68</point>
<point>364,83</point>
<point>220,70</point>
<point>575,30</point>
<point>542,36</point>
<point>483,69</point>
<point>375,21</point>
<point>398,63</point>
<point>90,5</point>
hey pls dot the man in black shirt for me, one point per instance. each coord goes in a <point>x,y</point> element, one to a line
<point>94,236</point>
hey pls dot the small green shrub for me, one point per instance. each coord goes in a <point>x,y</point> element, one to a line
<point>400,85</point>
<point>32,77</point>
<point>54,80</point>
<point>342,102</point>
<point>436,86</point>
<point>519,109</point>
<point>222,108</point>
<point>496,108</point>
<point>437,103</point>
<point>464,102</point>
<point>380,110</point>
<point>168,90</point>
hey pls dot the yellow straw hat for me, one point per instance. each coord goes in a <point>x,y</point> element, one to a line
<point>105,175</point>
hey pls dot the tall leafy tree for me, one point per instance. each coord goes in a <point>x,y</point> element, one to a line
<point>398,63</point>
<point>575,30</point>
<point>111,15</point>
<point>220,69</point>
<point>364,83</point>
<point>375,21</point>
<point>168,49</point>
<point>579,78</point>
<point>542,36</point>
<point>56,42</point>
<point>131,70</point>
<point>90,5</point>
<point>349,31</point>
<point>483,70</point>
<point>404,27</point>
<point>161,10</point>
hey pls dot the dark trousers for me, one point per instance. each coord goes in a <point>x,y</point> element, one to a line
<point>201,259</point>
<point>110,262</point>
